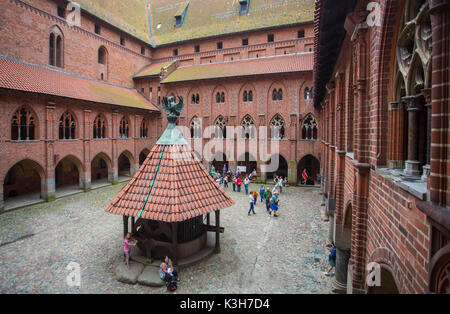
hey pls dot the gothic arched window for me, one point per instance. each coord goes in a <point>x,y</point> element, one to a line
<point>144,129</point>
<point>220,127</point>
<point>124,128</point>
<point>56,47</point>
<point>249,128</point>
<point>102,55</point>
<point>23,125</point>
<point>196,128</point>
<point>245,96</point>
<point>412,84</point>
<point>309,128</point>
<point>99,129</point>
<point>277,128</point>
<point>67,126</point>
<point>280,94</point>
<point>250,96</point>
<point>274,95</point>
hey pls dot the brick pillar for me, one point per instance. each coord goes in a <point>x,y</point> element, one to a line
<point>113,172</point>
<point>359,227</point>
<point>292,172</point>
<point>2,198</point>
<point>48,188</point>
<point>362,168</point>
<point>262,175</point>
<point>440,141</point>
<point>396,136</point>
<point>86,175</point>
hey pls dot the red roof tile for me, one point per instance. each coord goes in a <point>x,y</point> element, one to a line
<point>267,65</point>
<point>36,79</point>
<point>183,188</point>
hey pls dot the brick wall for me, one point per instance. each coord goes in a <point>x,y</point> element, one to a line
<point>25,37</point>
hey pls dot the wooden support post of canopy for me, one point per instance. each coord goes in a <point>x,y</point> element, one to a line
<point>217,247</point>
<point>125,226</point>
<point>174,242</point>
<point>132,224</point>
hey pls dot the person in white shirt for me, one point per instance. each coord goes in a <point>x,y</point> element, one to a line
<point>246,184</point>
<point>252,205</point>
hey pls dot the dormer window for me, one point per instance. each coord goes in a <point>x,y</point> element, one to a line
<point>178,21</point>
<point>244,5</point>
<point>180,15</point>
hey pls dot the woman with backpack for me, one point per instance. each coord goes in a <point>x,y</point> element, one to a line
<point>168,273</point>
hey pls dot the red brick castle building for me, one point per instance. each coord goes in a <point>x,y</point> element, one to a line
<point>381,82</point>
<point>81,103</point>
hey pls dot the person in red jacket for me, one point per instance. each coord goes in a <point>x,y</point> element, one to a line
<point>238,184</point>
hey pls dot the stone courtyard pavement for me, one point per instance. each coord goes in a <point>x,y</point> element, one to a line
<point>260,254</point>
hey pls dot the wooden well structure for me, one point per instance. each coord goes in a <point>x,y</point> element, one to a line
<point>170,198</point>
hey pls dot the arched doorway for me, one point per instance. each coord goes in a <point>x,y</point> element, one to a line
<point>312,166</point>
<point>23,183</point>
<point>68,174</point>
<point>281,170</point>
<point>440,271</point>
<point>125,163</point>
<point>100,168</point>
<point>248,163</point>
<point>142,156</point>
<point>388,283</point>
<point>220,159</point>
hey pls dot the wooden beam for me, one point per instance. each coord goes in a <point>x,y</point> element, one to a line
<point>210,228</point>
<point>217,247</point>
<point>132,224</point>
<point>125,226</point>
<point>175,242</point>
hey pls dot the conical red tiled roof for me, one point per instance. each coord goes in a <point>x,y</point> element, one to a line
<point>172,185</point>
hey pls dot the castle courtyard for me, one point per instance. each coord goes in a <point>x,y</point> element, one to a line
<point>259,254</point>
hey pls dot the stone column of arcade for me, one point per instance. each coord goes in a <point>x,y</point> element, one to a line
<point>413,105</point>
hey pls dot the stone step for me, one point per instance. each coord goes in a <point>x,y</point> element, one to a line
<point>129,276</point>
<point>150,277</point>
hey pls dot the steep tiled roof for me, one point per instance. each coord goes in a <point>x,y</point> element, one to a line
<point>171,186</point>
<point>31,78</point>
<point>268,65</point>
<point>153,69</point>
<point>129,16</point>
<point>203,18</point>
<point>208,18</point>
